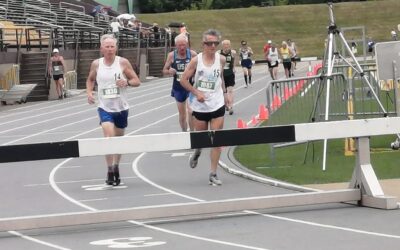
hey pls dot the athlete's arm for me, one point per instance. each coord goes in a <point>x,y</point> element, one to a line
<point>131,77</point>
<point>223,61</point>
<point>187,74</point>
<point>168,70</point>
<point>63,63</point>
<point>91,80</point>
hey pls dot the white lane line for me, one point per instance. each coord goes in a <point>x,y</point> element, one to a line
<point>37,241</point>
<point>91,200</point>
<point>60,192</point>
<point>138,174</point>
<point>47,120</point>
<point>56,103</point>
<point>70,182</point>
<point>161,194</point>
<point>76,122</point>
<point>67,167</point>
<point>325,225</point>
<point>78,203</point>
<point>196,237</point>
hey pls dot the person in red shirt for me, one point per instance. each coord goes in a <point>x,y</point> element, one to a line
<point>267,46</point>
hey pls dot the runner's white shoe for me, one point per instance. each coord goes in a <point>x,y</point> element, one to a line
<point>214,180</point>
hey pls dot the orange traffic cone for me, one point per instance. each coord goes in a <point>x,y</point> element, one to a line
<point>276,103</point>
<point>241,124</point>
<point>263,113</point>
<point>286,94</point>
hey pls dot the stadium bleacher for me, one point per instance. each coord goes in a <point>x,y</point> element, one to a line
<point>38,26</point>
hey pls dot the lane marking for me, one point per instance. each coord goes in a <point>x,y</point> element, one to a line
<point>325,225</point>
<point>37,241</point>
<point>195,237</point>
<point>90,200</point>
<point>76,122</point>
<point>138,174</point>
<point>70,182</point>
<point>80,98</point>
<point>60,192</point>
<point>161,194</point>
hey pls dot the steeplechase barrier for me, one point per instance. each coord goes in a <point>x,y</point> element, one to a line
<point>364,187</point>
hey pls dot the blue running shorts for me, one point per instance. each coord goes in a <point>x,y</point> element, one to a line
<point>120,119</point>
<point>180,95</point>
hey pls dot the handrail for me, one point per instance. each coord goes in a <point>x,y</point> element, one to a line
<point>78,13</point>
<point>41,9</point>
<point>77,21</point>
<point>50,25</point>
<point>73,5</point>
<point>34,2</point>
<point>38,17</point>
<point>5,11</point>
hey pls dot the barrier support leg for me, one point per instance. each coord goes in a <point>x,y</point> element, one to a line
<point>364,178</point>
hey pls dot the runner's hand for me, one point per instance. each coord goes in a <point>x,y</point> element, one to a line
<point>91,99</point>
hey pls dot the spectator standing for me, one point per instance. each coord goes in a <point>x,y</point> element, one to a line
<point>393,33</point>
<point>56,69</point>
<point>113,75</point>
<point>354,47</point>
<point>115,26</point>
<point>267,46</point>
<point>371,45</point>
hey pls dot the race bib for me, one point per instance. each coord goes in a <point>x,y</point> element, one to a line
<point>56,68</point>
<point>285,56</point>
<point>179,76</point>
<point>207,86</point>
<point>112,92</point>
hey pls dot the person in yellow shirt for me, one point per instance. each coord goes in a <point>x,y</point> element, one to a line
<point>286,54</point>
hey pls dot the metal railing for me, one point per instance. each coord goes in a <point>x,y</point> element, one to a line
<point>11,37</point>
<point>47,12</point>
<point>303,99</point>
<point>65,5</point>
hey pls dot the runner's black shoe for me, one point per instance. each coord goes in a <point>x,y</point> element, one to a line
<point>194,158</point>
<point>110,178</point>
<point>117,180</point>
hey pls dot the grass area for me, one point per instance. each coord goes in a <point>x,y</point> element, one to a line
<point>294,165</point>
<point>305,24</point>
<point>301,165</point>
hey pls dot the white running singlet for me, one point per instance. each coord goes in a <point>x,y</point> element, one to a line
<point>111,97</point>
<point>208,80</point>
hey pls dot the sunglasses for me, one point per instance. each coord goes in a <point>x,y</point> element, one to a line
<point>210,43</point>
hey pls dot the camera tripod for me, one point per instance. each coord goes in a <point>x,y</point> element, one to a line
<point>330,56</point>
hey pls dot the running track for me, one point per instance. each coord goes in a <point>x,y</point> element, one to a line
<point>154,179</point>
